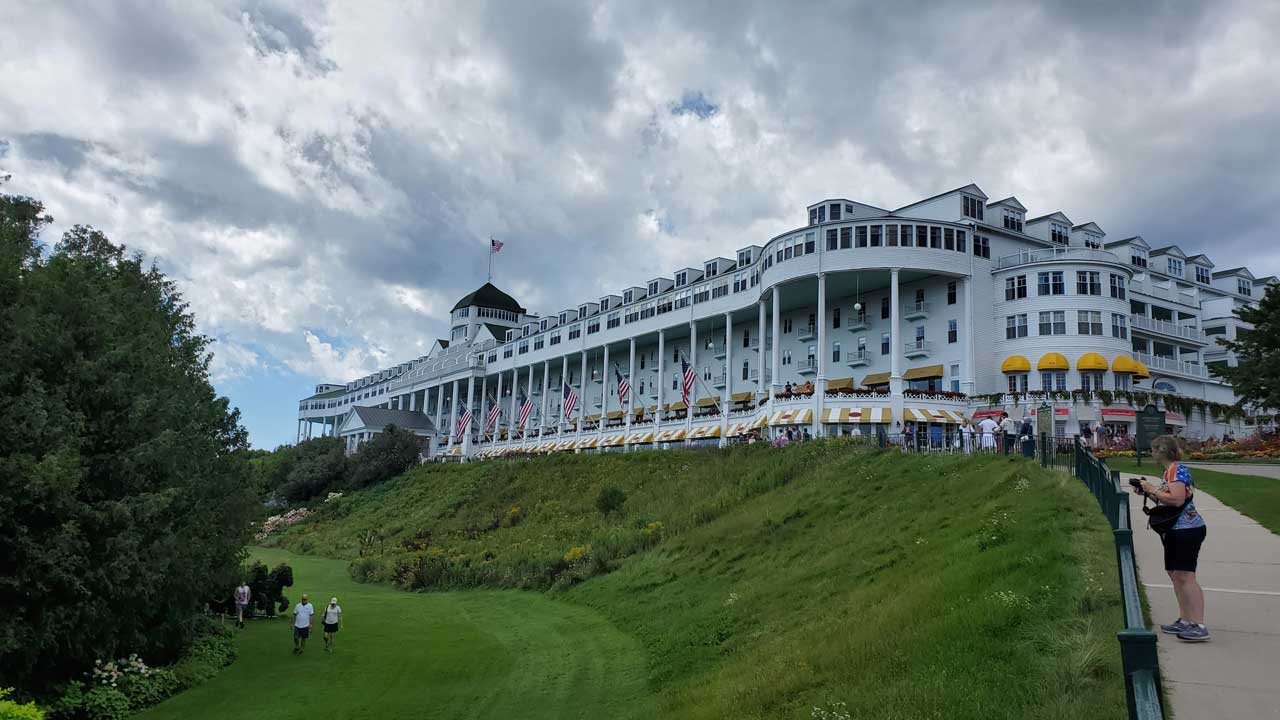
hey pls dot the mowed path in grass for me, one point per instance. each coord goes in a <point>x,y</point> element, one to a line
<point>480,654</point>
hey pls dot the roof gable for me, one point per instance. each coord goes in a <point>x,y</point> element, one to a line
<point>1090,226</point>
<point>1055,216</point>
<point>377,419</point>
<point>1202,260</point>
<point>970,189</point>
<point>1009,202</point>
<point>488,295</point>
<point>1238,272</point>
<point>1172,250</point>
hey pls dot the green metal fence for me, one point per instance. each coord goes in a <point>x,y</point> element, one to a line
<point>1137,643</point>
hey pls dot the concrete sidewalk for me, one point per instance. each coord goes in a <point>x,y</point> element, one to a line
<point>1257,470</point>
<point>1237,673</point>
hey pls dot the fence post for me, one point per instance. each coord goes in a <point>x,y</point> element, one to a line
<point>1044,450</point>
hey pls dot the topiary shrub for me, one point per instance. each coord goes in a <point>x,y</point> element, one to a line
<point>610,500</point>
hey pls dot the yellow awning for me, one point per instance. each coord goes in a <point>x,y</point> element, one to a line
<point>881,378</point>
<point>640,438</point>
<point>743,396</point>
<point>615,414</point>
<point>677,405</point>
<point>706,431</point>
<point>1124,364</point>
<point>590,418</point>
<point>1015,363</point>
<point>849,416</point>
<point>613,441</point>
<point>840,384</point>
<point>760,421</point>
<point>932,416</point>
<point>923,373</point>
<point>1142,371</point>
<point>1091,361</point>
<point>796,416</point>
<point>588,443</point>
<point>707,402</point>
<point>670,435</point>
<point>638,411</point>
<point>1053,361</point>
<point>739,429</point>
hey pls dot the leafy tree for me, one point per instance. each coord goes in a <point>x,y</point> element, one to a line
<point>127,499</point>
<point>388,454</point>
<point>315,467</point>
<point>1256,379</point>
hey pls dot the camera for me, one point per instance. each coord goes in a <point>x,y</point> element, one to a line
<point>1136,483</point>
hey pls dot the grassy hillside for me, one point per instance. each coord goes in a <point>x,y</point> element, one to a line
<point>765,583</point>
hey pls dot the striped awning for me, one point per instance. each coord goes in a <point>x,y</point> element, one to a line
<point>843,416</point>
<point>670,435</point>
<point>795,416</point>
<point>566,444</point>
<point>932,416</point>
<point>760,422</point>
<point>455,451</point>
<point>588,443</point>
<point>613,440</point>
<point>737,429</point>
<point>640,438</point>
<point>706,431</point>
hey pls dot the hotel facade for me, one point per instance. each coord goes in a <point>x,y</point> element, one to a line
<point>863,320</point>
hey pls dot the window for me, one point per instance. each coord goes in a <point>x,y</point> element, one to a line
<point>1013,220</point>
<point>555,338</point>
<point>981,247</point>
<point>1244,287</point>
<point>1053,380</point>
<point>1202,275</point>
<point>884,308</point>
<point>875,236</point>
<point>1053,322</point>
<point>891,235</point>
<point>675,354</point>
<point>919,297</point>
<point>835,318</point>
<point>949,238</point>
<point>788,249</point>
<point>813,216</point>
<point>653,288</point>
<point>1089,322</point>
<point>1091,381</point>
<point>952,331</point>
<point>1015,326</point>
<point>459,333</point>
<point>539,342</point>
<point>720,290</point>
<point>835,211</point>
<point>1051,283</point>
<point>1015,287</point>
<point>972,207</point>
<point>1175,267</point>
<point>746,370</point>
<point>786,326</point>
<point>935,238</point>
<point>831,238</point>
<point>744,258</point>
<point>701,294</point>
<point>822,213</point>
<point>710,269</point>
<point>1123,382</point>
<point>951,293</point>
<point>922,236</point>
<point>1060,234</point>
<point>848,209</point>
<point>575,332</point>
<point>506,351</point>
<point>627,296</point>
<point>862,236</point>
<point>1117,286</point>
<point>593,325</point>
<point>786,356</point>
<point>1018,382</point>
<point>1088,282</point>
<point>835,352</point>
<point>907,233</point>
<point>604,304</point>
<point>682,278</point>
<point>1219,330</point>
<point>739,282</point>
<point>884,343</point>
<point>846,238</point>
<point>1119,326</point>
<point>524,347</point>
<point>808,244</point>
<point>615,319</point>
<point>1137,257</point>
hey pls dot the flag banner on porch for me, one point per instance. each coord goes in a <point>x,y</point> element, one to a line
<point>570,399</point>
<point>526,407</point>
<point>624,387</point>
<point>494,413</point>
<point>463,423</point>
<point>690,376</point>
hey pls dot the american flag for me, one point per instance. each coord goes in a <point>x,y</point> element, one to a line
<point>624,387</point>
<point>495,245</point>
<point>690,377</point>
<point>570,400</point>
<point>494,412</point>
<point>526,407</point>
<point>463,423</point>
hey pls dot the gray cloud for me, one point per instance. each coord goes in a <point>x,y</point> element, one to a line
<point>333,172</point>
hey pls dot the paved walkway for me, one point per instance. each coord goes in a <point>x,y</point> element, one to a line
<point>1237,674</point>
<point>1260,470</point>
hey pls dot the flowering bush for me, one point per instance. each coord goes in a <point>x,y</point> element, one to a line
<point>333,496</point>
<point>1255,447</point>
<point>275,522</point>
<point>577,554</point>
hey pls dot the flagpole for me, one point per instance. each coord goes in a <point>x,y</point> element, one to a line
<point>490,276</point>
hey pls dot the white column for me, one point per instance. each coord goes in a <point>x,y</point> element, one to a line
<point>693,361</point>
<point>895,348</point>
<point>466,432</point>
<point>968,380</point>
<point>542,411</point>
<point>497,400</point>
<point>413,399</point>
<point>528,395</point>
<point>760,363</point>
<point>820,387</point>
<point>453,412</point>
<point>604,391</point>
<point>728,379</point>
<point>776,383</point>
<point>582,395</point>
<point>512,416</point>
<point>439,405</point>
<point>484,406</point>
<point>564,379</point>
<point>662,380</point>
<point>631,395</point>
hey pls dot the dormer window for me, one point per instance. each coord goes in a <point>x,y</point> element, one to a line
<point>1060,234</point>
<point>1013,220</point>
<point>709,270</point>
<point>582,311</point>
<point>682,278</point>
<point>744,258</point>
<point>1137,257</point>
<point>822,213</point>
<point>835,211</point>
<point>1202,275</point>
<point>627,296</point>
<point>972,207</point>
<point>1175,267</point>
<point>653,288</point>
<point>604,304</point>
<point>1092,241</point>
<point>813,216</point>
<point>1244,287</point>
<point>542,325</point>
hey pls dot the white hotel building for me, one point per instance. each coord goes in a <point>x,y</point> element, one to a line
<point>950,307</point>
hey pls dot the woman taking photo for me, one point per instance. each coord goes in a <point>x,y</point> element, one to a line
<point>1182,531</point>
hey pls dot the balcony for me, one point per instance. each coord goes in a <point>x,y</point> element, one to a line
<point>718,351</point>
<point>858,323</point>
<point>1168,329</point>
<point>1170,365</point>
<point>753,375</point>
<point>718,381</point>
<point>1027,257</point>
<point>858,358</point>
<point>916,311</point>
<point>917,349</point>
<point>807,333</point>
<point>807,366</point>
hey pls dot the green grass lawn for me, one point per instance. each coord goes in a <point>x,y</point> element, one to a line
<point>745,583</point>
<point>484,654</point>
<point>1257,497</point>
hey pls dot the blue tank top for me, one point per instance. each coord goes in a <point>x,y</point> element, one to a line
<point>1190,517</point>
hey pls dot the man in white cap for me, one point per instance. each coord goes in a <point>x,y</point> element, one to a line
<point>332,620</point>
<point>302,613</point>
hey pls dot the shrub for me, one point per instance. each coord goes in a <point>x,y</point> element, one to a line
<point>10,710</point>
<point>610,500</point>
<point>213,651</point>
<point>388,454</point>
<point>95,703</point>
<point>266,587</point>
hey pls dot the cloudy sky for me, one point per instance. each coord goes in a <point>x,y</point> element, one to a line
<point>322,179</point>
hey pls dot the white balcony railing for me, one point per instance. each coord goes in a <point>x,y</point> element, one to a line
<point>915,311</point>
<point>1182,367</point>
<point>919,348</point>
<point>1164,327</point>
<point>1027,257</point>
<point>807,332</point>
<point>858,322</point>
<point>858,358</point>
<point>807,366</point>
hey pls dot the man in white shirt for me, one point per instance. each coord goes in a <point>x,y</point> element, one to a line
<point>1007,429</point>
<point>988,427</point>
<point>331,621</point>
<point>242,595</point>
<point>302,613</point>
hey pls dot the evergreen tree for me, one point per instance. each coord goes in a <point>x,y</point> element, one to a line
<point>1256,379</point>
<point>125,495</point>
